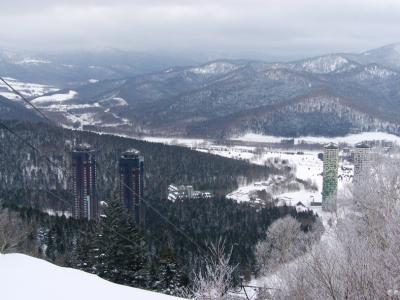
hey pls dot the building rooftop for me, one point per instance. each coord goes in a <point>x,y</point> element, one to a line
<point>83,148</point>
<point>131,153</point>
<point>331,146</point>
<point>363,145</point>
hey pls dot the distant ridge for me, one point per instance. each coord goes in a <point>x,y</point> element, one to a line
<point>329,95</point>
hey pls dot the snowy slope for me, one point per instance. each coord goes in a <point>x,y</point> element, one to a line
<point>331,63</point>
<point>55,98</point>
<point>215,68</point>
<point>349,139</point>
<point>25,88</point>
<point>23,277</point>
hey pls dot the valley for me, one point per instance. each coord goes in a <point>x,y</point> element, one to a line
<point>330,95</point>
<point>230,147</point>
<point>304,181</point>
<point>202,150</point>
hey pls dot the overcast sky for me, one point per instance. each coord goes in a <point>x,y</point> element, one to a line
<point>235,27</point>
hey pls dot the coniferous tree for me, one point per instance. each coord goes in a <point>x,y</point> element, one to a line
<point>50,246</point>
<point>169,279</point>
<point>120,252</point>
<point>83,257</point>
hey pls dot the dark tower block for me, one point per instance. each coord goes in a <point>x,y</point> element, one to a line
<point>131,166</point>
<point>86,205</point>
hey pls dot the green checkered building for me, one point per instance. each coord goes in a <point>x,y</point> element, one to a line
<point>330,173</point>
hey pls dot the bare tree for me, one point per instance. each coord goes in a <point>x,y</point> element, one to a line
<point>12,233</point>
<point>214,279</point>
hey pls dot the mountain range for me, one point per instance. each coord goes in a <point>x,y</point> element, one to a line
<point>330,95</point>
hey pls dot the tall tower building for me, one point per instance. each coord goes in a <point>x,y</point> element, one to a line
<point>330,180</point>
<point>131,166</point>
<point>362,161</point>
<point>84,183</point>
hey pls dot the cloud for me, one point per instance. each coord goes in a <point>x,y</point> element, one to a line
<point>284,27</point>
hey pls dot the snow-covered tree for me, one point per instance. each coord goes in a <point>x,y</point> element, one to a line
<point>119,253</point>
<point>285,240</point>
<point>361,259</point>
<point>215,277</point>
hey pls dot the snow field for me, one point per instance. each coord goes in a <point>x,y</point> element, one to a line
<point>349,139</point>
<point>24,277</point>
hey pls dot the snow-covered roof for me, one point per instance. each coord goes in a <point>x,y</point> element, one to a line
<point>131,153</point>
<point>331,146</point>
<point>83,147</point>
<point>364,145</point>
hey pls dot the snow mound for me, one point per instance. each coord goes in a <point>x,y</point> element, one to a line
<point>25,277</point>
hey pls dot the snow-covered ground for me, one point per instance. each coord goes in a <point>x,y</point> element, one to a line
<point>349,139</point>
<point>96,113</point>
<point>58,213</point>
<point>55,98</point>
<point>176,141</point>
<point>215,68</point>
<point>62,104</point>
<point>25,88</point>
<point>207,145</point>
<point>31,61</point>
<point>24,277</point>
<point>306,166</point>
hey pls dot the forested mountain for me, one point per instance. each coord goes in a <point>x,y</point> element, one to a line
<point>10,110</point>
<point>161,260</point>
<point>26,175</point>
<point>74,67</point>
<point>353,91</point>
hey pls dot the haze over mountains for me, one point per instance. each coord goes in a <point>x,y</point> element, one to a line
<point>329,95</point>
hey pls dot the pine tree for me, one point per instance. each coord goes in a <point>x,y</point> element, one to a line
<point>169,279</point>
<point>50,246</point>
<point>121,252</point>
<point>85,251</point>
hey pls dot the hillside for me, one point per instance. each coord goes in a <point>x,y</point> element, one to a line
<point>27,176</point>
<point>75,67</point>
<point>24,277</point>
<point>354,92</point>
<point>10,110</point>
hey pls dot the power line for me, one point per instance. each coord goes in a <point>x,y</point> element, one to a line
<point>69,204</point>
<point>109,173</point>
<point>148,204</point>
<point>54,194</point>
<point>18,136</point>
<point>25,100</point>
<point>34,148</point>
